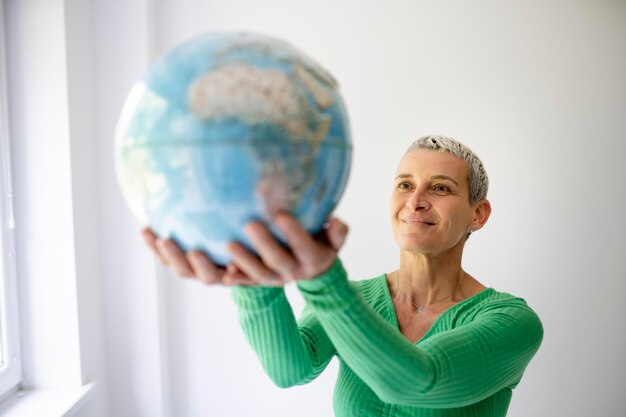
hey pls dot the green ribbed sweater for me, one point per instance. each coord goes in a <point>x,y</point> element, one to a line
<point>466,365</point>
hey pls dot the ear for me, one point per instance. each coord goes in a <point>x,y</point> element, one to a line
<point>482,211</point>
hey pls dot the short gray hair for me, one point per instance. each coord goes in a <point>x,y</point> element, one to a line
<point>477,177</point>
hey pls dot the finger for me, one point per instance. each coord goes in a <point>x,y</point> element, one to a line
<point>302,244</point>
<point>205,270</point>
<point>337,231</point>
<point>175,258</point>
<point>252,266</point>
<point>231,282</point>
<point>234,276</point>
<point>150,238</point>
<point>242,281</point>
<point>273,254</point>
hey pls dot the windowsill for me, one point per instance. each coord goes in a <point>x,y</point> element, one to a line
<point>46,403</point>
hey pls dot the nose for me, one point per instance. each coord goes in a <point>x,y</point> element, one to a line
<point>418,201</point>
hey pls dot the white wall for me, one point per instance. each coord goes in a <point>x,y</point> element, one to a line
<point>536,88</point>
<point>134,348</point>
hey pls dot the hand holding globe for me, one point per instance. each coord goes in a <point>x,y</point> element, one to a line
<point>306,258</point>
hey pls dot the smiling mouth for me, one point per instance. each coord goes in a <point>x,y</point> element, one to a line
<point>419,221</point>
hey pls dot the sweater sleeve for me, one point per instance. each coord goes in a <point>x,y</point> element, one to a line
<point>291,352</point>
<point>450,369</point>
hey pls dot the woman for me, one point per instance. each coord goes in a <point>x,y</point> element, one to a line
<point>425,340</point>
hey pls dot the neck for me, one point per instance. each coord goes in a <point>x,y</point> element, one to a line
<point>424,278</point>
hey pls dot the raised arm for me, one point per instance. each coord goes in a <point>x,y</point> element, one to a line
<point>292,353</point>
<point>449,369</point>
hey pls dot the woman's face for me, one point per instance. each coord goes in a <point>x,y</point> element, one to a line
<point>430,209</point>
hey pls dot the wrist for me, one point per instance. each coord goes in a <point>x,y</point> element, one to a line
<point>254,297</point>
<point>329,291</point>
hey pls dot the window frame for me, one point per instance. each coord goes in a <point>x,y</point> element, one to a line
<point>10,370</point>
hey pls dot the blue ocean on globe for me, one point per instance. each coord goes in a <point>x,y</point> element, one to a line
<point>229,128</point>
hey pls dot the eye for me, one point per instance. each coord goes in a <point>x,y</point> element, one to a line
<point>404,185</point>
<point>441,189</point>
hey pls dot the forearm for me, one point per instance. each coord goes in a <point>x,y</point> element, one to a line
<point>289,354</point>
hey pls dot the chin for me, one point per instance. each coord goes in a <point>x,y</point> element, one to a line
<point>423,246</point>
<point>418,245</point>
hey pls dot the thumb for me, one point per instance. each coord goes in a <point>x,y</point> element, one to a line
<point>337,232</point>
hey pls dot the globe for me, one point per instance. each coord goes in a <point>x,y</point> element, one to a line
<point>228,128</point>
